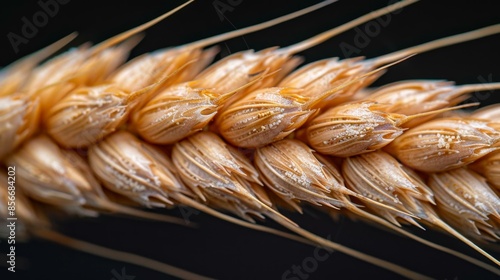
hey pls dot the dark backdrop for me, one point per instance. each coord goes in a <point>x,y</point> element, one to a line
<point>219,249</point>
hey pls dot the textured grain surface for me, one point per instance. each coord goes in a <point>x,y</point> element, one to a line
<point>229,252</point>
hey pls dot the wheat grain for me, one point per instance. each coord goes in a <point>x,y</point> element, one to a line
<point>291,170</point>
<point>421,96</point>
<point>445,144</point>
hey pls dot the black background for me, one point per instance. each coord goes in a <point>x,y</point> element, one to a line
<point>219,249</point>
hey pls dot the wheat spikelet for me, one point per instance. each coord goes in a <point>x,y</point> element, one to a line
<point>445,144</point>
